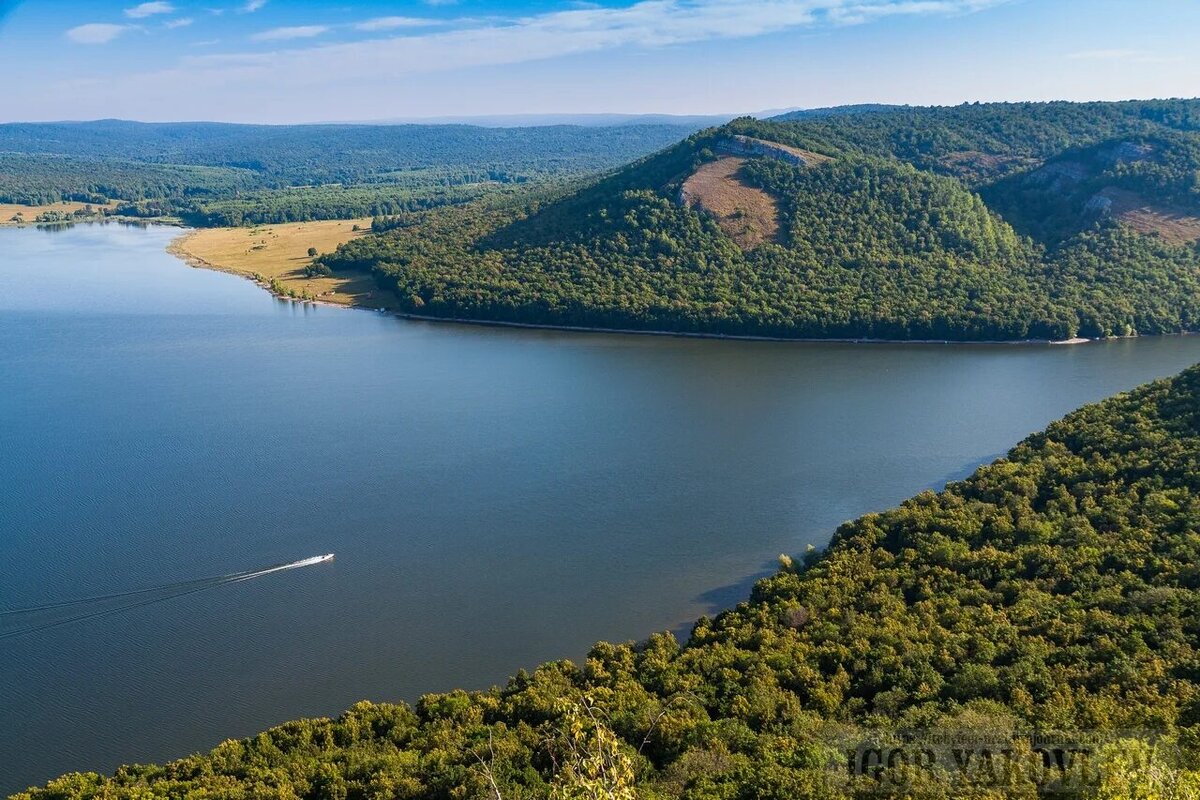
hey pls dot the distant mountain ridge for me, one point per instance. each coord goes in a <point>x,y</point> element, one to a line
<point>343,153</point>
<point>587,120</point>
<point>221,174</point>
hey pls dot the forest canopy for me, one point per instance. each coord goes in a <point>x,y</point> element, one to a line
<point>218,174</point>
<point>980,222</point>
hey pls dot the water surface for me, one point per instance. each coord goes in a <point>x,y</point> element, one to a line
<point>495,497</point>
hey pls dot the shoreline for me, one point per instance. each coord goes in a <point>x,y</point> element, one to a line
<point>177,249</point>
<point>729,336</point>
<point>274,284</point>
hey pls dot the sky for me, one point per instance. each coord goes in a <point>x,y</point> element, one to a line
<point>286,61</point>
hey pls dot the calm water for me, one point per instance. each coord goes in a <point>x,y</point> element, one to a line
<point>495,497</point>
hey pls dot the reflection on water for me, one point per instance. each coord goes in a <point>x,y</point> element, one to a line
<point>495,497</point>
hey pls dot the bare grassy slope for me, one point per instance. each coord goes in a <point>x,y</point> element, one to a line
<point>746,213</point>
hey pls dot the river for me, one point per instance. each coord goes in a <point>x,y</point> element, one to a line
<point>495,497</point>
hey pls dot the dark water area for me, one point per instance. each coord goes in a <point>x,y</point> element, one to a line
<point>495,497</point>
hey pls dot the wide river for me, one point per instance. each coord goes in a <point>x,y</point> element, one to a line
<point>495,497</point>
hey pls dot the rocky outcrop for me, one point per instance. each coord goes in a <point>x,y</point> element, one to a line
<point>749,147</point>
<point>1059,176</point>
<point>1125,151</point>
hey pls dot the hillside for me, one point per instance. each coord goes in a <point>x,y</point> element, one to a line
<point>1055,589</point>
<point>1149,183</point>
<point>879,223</point>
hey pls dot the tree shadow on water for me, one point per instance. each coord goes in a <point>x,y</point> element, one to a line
<point>714,601</point>
<point>722,598</point>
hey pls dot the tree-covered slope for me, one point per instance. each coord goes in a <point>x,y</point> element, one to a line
<point>982,141</point>
<point>1055,589</point>
<point>1112,179</point>
<point>882,234</point>
<point>874,249</point>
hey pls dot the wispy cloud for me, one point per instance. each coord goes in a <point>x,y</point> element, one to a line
<point>1102,55</point>
<point>149,10</point>
<point>1125,55</point>
<point>252,5</point>
<point>96,32</point>
<point>293,32</point>
<point>497,41</point>
<point>182,22</point>
<point>393,23</point>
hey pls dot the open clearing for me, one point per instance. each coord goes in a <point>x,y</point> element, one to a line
<point>746,213</point>
<point>279,253</point>
<point>30,213</point>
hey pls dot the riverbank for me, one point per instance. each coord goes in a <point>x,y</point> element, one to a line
<point>732,336</point>
<point>275,257</point>
<point>16,215</point>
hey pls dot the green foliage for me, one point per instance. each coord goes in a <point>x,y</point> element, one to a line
<point>328,202</point>
<point>309,154</point>
<point>40,179</point>
<point>979,142</point>
<point>216,174</point>
<point>1055,589</point>
<point>885,241</point>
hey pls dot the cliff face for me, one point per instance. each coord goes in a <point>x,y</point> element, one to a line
<point>749,147</point>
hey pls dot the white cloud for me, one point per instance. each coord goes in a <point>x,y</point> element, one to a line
<point>649,23</point>
<point>294,32</point>
<point>182,22</point>
<point>96,32</point>
<point>1102,55</point>
<point>1129,56</point>
<point>392,23</point>
<point>253,5</point>
<point>149,10</point>
<point>495,42</point>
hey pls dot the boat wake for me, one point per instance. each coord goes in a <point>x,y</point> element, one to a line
<point>103,605</point>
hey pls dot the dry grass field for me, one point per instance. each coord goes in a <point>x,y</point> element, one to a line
<point>276,255</point>
<point>9,211</point>
<point>748,214</point>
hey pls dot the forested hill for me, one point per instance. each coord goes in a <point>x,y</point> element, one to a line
<point>977,222</point>
<point>1056,589</point>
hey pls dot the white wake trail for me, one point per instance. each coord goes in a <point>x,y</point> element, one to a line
<point>304,562</point>
<point>168,591</point>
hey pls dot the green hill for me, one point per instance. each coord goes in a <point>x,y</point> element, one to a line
<point>887,224</point>
<point>1053,590</point>
<point>1151,183</point>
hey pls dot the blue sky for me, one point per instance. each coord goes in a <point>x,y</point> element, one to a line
<point>304,61</point>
